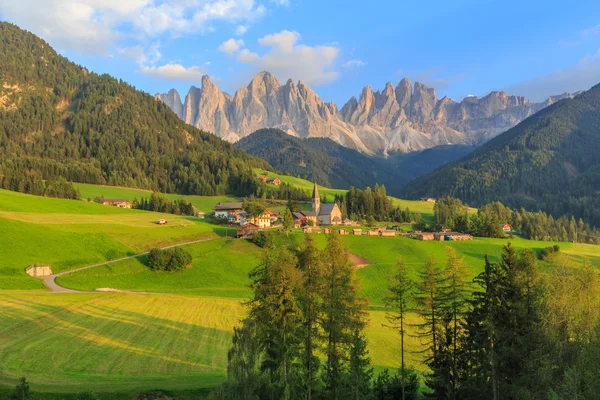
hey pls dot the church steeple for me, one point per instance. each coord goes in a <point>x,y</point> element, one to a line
<point>316,200</point>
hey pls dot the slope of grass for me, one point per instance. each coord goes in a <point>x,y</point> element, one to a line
<point>68,234</point>
<point>203,203</point>
<point>421,207</point>
<point>220,267</point>
<point>122,342</point>
<point>111,342</point>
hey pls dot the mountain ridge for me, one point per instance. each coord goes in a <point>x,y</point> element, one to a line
<point>59,121</point>
<point>401,118</point>
<point>548,162</point>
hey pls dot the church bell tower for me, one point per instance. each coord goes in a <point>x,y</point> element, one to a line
<point>316,200</point>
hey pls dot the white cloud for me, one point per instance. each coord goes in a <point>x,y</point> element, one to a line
<point>285,58</point>
<point>175,72</point>
<point>281,2</point>
<point>284,40</point>
<point>580,76</point>
<point>231,46</point>
<point>147,60</point>
<point>241,29</point>
<point>354,64</point>
<point>247,57</point>
<point>93,26</point>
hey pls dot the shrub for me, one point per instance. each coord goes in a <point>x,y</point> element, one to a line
<point>387,386</point>
<point>549,251</point>
<point>262,238</point>
<point>174,259</point>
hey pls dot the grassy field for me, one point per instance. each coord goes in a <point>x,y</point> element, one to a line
<point>122,342</point>
<point>220,268</point>
<point>421,207</point>
<point>177,337</point>
<point>68,234</point>
<point>203,203</point>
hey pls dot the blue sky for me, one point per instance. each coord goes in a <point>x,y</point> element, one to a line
<point>461,47</point>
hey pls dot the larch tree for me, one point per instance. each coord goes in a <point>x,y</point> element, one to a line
<point>310,264</point>
<point>398,299</point>
<point>343,314</point>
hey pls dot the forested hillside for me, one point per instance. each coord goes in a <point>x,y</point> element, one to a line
<point>57,120</point>
<point>548,162</point>
<point>334,165</point>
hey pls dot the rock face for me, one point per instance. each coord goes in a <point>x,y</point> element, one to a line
<point>402,118</point>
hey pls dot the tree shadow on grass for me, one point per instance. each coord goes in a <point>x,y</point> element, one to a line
<point>97,332</point>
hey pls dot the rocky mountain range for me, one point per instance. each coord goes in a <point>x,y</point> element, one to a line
<point>404,118</point>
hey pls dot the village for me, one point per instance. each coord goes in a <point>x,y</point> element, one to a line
<point>322,218</point>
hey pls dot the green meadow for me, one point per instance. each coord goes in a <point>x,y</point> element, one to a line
<point>176,334</point>
<point>203,203</point>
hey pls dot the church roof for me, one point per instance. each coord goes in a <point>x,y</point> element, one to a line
<point>326,209</point>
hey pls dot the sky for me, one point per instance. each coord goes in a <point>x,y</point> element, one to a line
<point>531,48</point>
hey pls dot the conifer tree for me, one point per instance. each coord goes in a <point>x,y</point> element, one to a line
<point>342,314</point>
<point>400,292</point>
<point>276,283</point>
<point>431,303</point>
<point>310,264</point>
<point>457,295</point>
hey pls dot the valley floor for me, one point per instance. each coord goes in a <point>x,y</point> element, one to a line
<point>177,337</point>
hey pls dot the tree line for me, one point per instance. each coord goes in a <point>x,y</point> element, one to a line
<point>373,204</point>
<point>95,129</point>
<point>451,213</point>
<point>303,336</point>
<point>161,204</point>
<point>510,333</point>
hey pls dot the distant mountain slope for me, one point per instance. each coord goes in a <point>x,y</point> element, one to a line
<point>336,166</point>
<point>550,161</point>
<point>58,119</point>
<point>403,118</point>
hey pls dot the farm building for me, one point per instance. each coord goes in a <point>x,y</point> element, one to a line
<point>263,178</point>
<point>198,213</point>
<point>506,228</point>
<point>357,232</point>
<point>162,222</point>
<point>307,229</point>
<point>262,221</point>
<point>327,231</point>
<point>304,218</point>
<point>388,233</point>
<point>428,199</point>
<point>373,232</point>
<point>121,203</point>
<point>425,236</point>
<point>349,222</point>
<point>231,211</point>
<point>458,236</point>
<point>274,181</point>
<point>38,270</point>
<point>247,231</point>
<point>452,236</point>
<point>439,236</point>
<point>343,232</point>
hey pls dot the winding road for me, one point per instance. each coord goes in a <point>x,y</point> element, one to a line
<point>50,280</point>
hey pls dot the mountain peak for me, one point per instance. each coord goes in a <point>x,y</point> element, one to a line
<point>405,118</point>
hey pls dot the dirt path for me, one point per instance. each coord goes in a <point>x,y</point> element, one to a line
<point>358,261</point>
<point>50,280</point>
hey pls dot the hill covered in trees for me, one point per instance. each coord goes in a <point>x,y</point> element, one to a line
<point>58,120</point>
<point>548,162</point>
<point>334,165</point>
